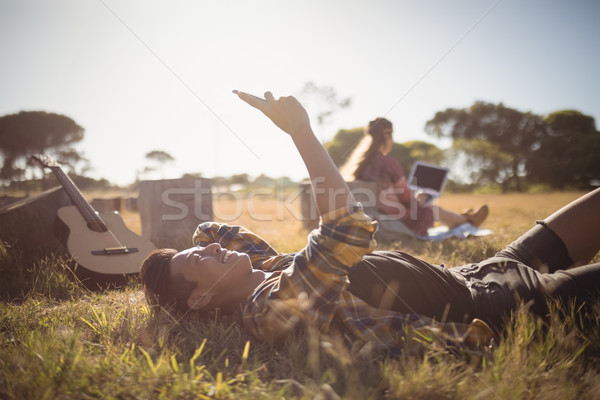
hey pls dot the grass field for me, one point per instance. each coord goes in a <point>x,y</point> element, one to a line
<point>61,341</point>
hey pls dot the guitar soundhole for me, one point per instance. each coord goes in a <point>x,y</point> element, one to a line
<point>97,226</point>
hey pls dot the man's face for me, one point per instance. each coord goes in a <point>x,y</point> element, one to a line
<point>213,268</point>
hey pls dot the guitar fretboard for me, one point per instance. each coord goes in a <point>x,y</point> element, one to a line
<point>92,219</point>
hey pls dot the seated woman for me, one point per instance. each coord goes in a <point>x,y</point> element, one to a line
<point>370,162</point>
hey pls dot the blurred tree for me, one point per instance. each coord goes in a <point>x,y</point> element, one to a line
<point>240,179</point>
<point>569,153</point>
<point>342,144</point>
<point>73,162</point>
<point>478,161</point>
<point>327,101</point>
<point>264,180</point>
<point>419,150</point>
<point>509,131</point>
<point>159,157</point>
<point>30,132</point>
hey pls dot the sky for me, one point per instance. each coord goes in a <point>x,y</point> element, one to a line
<point>148,75</point>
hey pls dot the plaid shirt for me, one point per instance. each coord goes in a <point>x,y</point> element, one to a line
<point>310,285</point>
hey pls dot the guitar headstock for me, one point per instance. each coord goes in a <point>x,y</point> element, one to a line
<point>45,160</point>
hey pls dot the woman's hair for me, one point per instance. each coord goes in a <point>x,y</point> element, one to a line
<point>367,148</point>
<point>162,289</point>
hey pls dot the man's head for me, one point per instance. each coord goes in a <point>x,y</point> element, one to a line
<point>198,278</point>
<point>160,287</point>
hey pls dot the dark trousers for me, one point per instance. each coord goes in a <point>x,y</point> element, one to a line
<point>529,270</point>
<point>532,271</point>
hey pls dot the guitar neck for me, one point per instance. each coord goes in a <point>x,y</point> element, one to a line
<point>86,210</point>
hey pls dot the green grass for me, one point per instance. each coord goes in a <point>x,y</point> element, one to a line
<point>60,341</point>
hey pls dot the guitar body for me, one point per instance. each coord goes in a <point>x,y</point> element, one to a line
<point>82,241</point>
<point>104,248</point>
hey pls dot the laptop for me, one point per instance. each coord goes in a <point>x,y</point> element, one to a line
<point>428,178</point>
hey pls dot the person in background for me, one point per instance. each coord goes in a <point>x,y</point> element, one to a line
<point>370,162</point>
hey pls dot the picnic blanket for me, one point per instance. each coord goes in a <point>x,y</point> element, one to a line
<point>440,233</point>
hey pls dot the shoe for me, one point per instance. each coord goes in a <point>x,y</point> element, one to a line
<point>476,218</point>
<point>479,334</point>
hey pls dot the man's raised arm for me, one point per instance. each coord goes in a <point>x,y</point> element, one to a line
<point>330,189</point>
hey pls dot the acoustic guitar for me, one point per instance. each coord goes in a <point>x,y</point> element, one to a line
<point>100,243</point>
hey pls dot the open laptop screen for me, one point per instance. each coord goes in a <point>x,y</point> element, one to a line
<point>428,177</point>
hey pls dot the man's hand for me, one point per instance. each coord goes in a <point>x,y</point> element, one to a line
<point>330,190</point>
<point>286,112</point>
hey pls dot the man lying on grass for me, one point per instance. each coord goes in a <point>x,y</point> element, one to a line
<point>380,297</point>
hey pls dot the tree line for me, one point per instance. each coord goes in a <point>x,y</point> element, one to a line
<point>491,145</point>
<point>496,145</point>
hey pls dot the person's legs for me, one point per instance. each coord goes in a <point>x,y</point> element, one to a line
<point>569,237</point>
<point>581,284</point>
<point>448,218</point>
<point>576,290</point>
<point>578,225</point>
<point>452,219</point>
<point>540,248</point>
<point>500,286</point>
